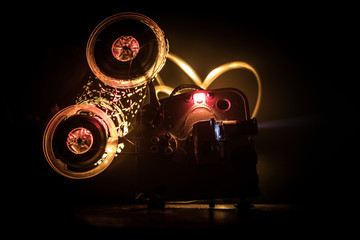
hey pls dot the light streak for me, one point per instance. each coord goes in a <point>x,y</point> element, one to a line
<point>159,80</point>
<point>186,68</point>
<point>290,122</point>
<point>230,66</point>
<point>164,89</point>
<point>210,78</point>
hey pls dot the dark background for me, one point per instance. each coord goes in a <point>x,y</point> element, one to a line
<point>302,52</point>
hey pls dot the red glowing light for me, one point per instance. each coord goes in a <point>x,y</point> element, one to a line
<point>199,98</point>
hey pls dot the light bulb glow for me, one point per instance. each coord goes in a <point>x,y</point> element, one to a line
<point>199,98</point>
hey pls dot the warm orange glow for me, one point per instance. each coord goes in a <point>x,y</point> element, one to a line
<point>186,68</point>
<point>164,89</point>
<point>210,78</point>
<point>229,66</point>
<point>159,80</point>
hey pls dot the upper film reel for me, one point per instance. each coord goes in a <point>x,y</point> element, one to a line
<point>126,50</point>
<point>80,141</point>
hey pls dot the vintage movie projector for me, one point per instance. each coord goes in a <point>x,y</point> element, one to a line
<point>194,144</point>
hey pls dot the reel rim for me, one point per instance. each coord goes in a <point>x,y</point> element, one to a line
<point>137,81</point>
<point>60,166</point>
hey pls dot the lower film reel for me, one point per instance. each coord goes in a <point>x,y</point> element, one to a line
<point>80,141</point>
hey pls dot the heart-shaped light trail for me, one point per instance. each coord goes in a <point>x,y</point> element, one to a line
<point>210,77</point>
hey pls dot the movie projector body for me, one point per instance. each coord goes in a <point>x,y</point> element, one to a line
<point>119,138</point>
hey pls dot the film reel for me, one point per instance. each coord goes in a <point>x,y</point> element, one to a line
<point>126,50</point>
<point>80,141</point>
